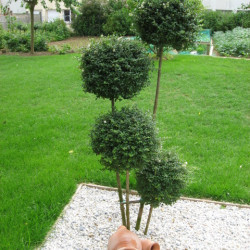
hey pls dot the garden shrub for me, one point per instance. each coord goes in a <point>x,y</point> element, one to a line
<point>1,37</point>
<point>40,43</point>
<point>115,68</point>
<point>223,21</point>
<point>21,42</point>
<point>22,27</point>
<point>125,139</point>
<point>119,18</point>
<point>56,30</point>
<point>90,20</point>
<point>233,43</point>
<point>119,22</point>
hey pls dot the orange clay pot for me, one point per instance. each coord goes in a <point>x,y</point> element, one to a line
<point>123,239</point>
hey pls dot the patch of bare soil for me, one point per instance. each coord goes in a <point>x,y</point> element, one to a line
<point>76,43</point>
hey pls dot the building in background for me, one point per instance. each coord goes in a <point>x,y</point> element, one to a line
<point>224,5</point>
<point>49,14</point>
<point>41,14</point>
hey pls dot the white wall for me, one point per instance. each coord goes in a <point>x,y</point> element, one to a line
<point>15,7</point>
<point>224,4</point>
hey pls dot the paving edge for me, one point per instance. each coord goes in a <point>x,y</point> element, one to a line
<point>133,192</point>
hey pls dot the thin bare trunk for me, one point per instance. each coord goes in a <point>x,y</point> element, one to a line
<point>148,221</point>
<point>121,199</point>
<point>138,222</point>
<point>113,105</point>
<point>119,186</point>
<point>32,29</point>
<point>158,82</point>
<point>127,200</point>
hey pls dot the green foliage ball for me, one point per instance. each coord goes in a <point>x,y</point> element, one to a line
<point>161,180</point>
<point>168,23</point>
<point>115,68</point>
<point>125,139</point>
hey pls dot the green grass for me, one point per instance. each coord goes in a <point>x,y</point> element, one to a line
<point>203,114</point>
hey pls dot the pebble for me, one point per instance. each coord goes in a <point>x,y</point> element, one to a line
<point>93,215</point>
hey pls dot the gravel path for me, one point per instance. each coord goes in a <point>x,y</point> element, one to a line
<point>93,215</point>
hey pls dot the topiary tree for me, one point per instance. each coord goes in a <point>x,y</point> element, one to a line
<point>125,140</point>
<point>167,23</point>
<point>115,69</point>
<point>160,181</point>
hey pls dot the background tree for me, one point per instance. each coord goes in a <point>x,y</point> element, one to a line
<point>167,23</point>
<point>161,180</point>
<point>115,69</point>
<point>30,4</point>
<point>90,19</point>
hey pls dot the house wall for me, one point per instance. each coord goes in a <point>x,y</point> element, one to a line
<point>50,6</point>
<point>15,7</point>
<point>224,4</point>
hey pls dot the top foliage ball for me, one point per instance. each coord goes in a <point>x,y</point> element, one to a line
<point>170,23</point>
<point>115,68</point>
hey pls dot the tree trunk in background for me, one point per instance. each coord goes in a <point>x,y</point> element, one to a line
<point>32,28</point>
<point>158,82</point>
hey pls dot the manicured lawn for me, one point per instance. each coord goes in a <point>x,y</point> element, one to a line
<point>203,114</point>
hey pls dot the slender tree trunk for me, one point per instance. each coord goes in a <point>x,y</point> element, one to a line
<point>113,105</point>
<point>32,28</point>
<point>119,186</point>
<point>121,199</point>
<point>138,222</point>
<point>127,200</point>
<point>148,221</point>
<point>158,82</point>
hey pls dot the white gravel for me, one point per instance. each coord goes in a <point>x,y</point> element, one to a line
<point>94,214</point>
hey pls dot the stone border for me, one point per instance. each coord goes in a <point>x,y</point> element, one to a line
<point>133,192</point>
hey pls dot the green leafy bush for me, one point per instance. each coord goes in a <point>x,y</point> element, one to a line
<point>168,22</point>
<point>119,18</point>
<point>56,30</point>
<point>90,20</point>
<point>61,51</point>
<point>1,37</point>
<point>125,139</point>
<point>115,68</point>
<point>223,21</point>
<point>233,43</point>
<point>161,180</point>
<point>40,43</point>
<point>21,42</point>
<point>119,22</point>
<point>22,27</point>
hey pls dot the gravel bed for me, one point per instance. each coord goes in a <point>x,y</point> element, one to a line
<point>93,215</point>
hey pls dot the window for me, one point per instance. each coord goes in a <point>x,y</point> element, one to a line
<point>67,16</point>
